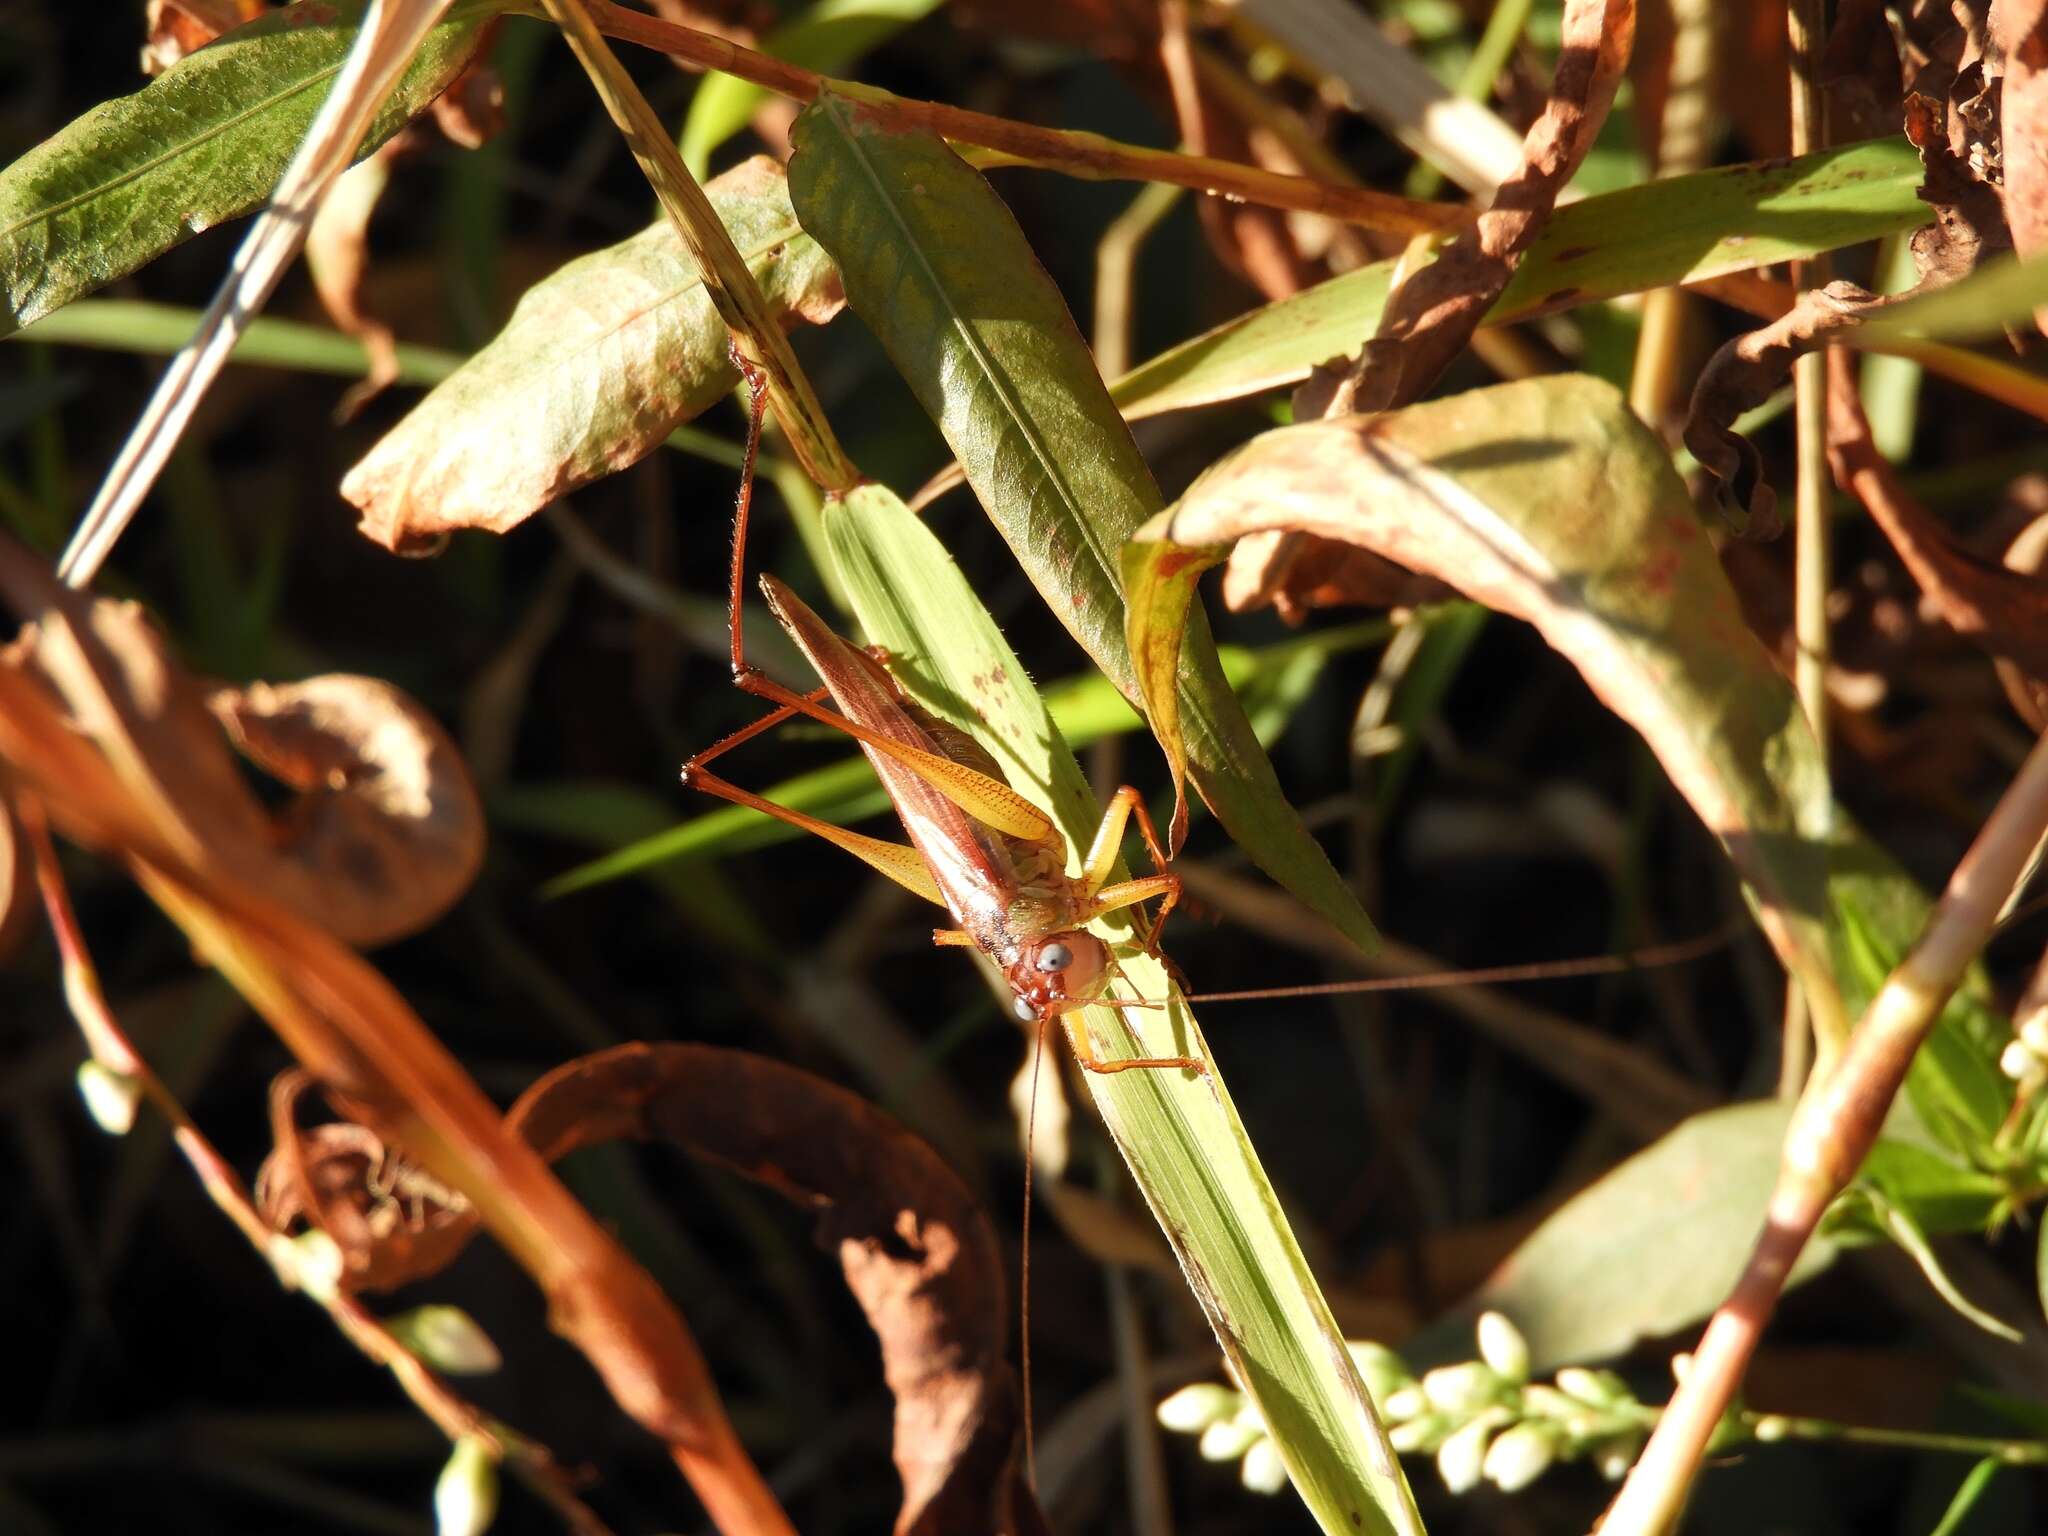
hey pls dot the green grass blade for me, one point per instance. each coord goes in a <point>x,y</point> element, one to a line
<point>935,264</point>
<point>204,142</point>
<point>1179,1133</point>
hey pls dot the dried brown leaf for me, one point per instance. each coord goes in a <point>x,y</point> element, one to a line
<point>917,1250</point>
<point>384,833</point>
<point>338,256</point>
<point>1430,317</point>
<point>392,1220</point>
<point>175,28</point>
<point>1744,374</point>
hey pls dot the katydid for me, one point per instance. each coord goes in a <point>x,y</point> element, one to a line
<point>978,848</point>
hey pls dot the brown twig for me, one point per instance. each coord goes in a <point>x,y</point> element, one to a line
<point>1077,154</point>
<point>1830,1135</point>
<point>112,1050</point>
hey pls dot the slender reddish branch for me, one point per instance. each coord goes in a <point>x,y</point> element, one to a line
<point>1077,154</point>
<point>1831,1133</point>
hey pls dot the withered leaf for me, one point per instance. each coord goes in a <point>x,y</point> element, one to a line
<point>917,1250</point>
<point>1742,375</point>
<point>597,365</point>
<point>1430,317</point>
<point>174,28</point>
<point>393,1222</point>
<point>385,832</point>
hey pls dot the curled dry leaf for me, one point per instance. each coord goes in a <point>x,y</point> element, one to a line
<point>392,1220</point>
<point>1744,374</point>
<point>596,366</point>
<point>18,905</point>
<point>386,830</point>
<point>1430,317</point>
<point>1297,573</point>
<point>917,1250</point>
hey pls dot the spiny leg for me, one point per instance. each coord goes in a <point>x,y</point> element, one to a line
<point>743,505</point>
<point>899,861</point>
<point>1088,1061</point>
<point>1125,804</point>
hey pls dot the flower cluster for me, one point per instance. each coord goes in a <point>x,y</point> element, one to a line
<point>1483,1419</point>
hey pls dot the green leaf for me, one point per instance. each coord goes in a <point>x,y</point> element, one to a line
<point>204,142</point>
<point>598,364</point>
<point>1650,1248</point>
<point>826,38</point>
<point>935,264</point>
<point>1179,1132</point>
<point>1548,500</point>
<point>1966,1497</point>
<point>1680,229</point>
<point>1937,1193</point>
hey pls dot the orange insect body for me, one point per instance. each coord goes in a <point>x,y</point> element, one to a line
<point>1005,884</point>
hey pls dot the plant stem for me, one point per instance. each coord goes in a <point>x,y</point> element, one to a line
<point>1831,1133</point>
<point>738,299</point>
<point>1086,155</point>
<point>1767,1427</point>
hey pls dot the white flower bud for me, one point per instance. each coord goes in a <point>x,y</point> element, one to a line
<point>1519,1456</point>
<point>1197,1407</point>
<point>2033,1032</point>
<point>1597,1389</point>
<point>1419,1433</point>
<point>310,1262</point>
<point>2017,1061</point>
<point>1460,1388</point>
<point>1502,1346</point>
<point>1228,1439</point>
<point>448,1339</point>
<point>466,1495</point>
<point>1614,1460</point>
<point>1263,1471</point>
<point>1540,1400</point>
<point>111,1098</point>
<point>1769,1428</point>
<point>1402,1404</point>
<point>1460,1459</point>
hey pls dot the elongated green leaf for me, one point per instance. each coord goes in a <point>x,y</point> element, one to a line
<point>596,366</point>
<point>204,142</point>
<point>1178,1131</point>
<point>936,266</point>
<point>1681,229</point>
<point>1651,1247</point>
<point>826,38</point>
<point>1548,499</point>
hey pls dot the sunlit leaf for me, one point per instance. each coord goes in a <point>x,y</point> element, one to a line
<point>935,264</point>
<point>596,366</point>
<point>1550,501</point>
<point>1159,591</point>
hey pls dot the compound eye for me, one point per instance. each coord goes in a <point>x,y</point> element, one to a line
<point>1026,1014</point>
<point>1055,957</point>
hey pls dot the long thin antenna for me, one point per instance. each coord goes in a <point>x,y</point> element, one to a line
<point>1024,1258</point>
<point>1537,970</point>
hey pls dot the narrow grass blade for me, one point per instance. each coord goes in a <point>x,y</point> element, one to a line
<point>1179,1133</point>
